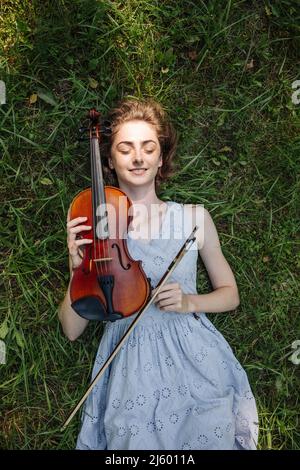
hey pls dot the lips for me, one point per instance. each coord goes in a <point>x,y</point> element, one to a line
<point>134,169</point>
<point>138,171</point>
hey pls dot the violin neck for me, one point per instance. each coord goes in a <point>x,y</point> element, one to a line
<point>100,215</point>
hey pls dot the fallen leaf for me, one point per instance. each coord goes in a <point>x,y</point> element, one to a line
<point>46,96</point>
<point>250,64</point>
<point>33,98</point>
<point>192,55</point>
<point>3,329</point>
<point>46,181</point>
<point>226,149</point>
<point>19,339</point>
<point>93,83</point>
<point>268,11</point>
<point>216,162</point>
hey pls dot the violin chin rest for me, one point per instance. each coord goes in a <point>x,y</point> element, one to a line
<point>92,309</point>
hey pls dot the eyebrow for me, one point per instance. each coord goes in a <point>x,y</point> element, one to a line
<point>127,142</point>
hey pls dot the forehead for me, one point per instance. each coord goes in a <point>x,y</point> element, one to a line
<point>135,131</point>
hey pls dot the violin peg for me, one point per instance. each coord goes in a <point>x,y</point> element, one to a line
<point>106,127</point>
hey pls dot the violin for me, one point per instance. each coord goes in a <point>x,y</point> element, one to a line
<point>109,284</point>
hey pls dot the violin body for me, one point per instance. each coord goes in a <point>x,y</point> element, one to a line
<point>109,284</point>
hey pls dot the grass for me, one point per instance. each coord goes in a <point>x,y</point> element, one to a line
<point>224,71</point>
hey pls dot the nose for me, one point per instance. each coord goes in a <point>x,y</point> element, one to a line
<point>138,158</point>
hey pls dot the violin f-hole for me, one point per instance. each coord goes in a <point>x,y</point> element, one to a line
<point>114,245</point>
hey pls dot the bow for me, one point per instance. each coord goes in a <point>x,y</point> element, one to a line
<point>185,247</point>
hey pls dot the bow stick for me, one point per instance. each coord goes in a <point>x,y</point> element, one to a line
<point>185,247</point>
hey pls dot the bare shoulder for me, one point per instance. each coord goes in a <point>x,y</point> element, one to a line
<point>196,215</point>
<point>211,253</point>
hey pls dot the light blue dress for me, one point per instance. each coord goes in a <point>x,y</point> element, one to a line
<point>175,383</point>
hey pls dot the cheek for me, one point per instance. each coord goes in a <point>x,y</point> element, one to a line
<point>118,161</point>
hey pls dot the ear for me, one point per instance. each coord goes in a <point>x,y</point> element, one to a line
<point>110,164</point>
<point>160,161</point>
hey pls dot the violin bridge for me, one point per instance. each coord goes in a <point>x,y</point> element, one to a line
<point>98,260</point>
<point>102,259</point>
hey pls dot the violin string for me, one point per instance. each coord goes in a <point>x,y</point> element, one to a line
<point>103,206</point>
<point>94,201</point>
<point>102,202</point>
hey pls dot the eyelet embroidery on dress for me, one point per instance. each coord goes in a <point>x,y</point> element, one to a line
<point>99,360</point>
<point>186,330</point>
<point>116,403</point>
<point>132,342</point>
<point>228,427</point>
<point>186,446</point>
<point>169,361</point>
<point>240,440</point>
<point>202,439</point>
<point>159,335</point>
<point>199,410</point>
<point>121,431</point>
<point>147,367</point>
<point>141,339</point>
<point>93,419</point>
<point>198,385</point>
<point>134,429</point>
<point>218,432</point>
<point>182,389</point>
<point>129,404</point>
<point>244,423</point>
<point>248,395</point>
<point>201,355</point>
<point>155,425</point>
<point>173,418</point>
<point>140,399</point>
<point>166,392</point>
<point>158,260</point>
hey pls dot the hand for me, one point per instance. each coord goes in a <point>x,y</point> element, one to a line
<point>171,298</point>
<point>73,228</point>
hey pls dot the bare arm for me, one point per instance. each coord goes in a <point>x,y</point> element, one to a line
<point>73,325</point>
<point>225,296</point>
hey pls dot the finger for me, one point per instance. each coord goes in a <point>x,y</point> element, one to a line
<point>83,241</point>
<point>171,286</point>
<point>167,303</point>
<point>168,307</point>
<point>164,295</point>
<point>74,245</point>
<point>73,232</point>
<point>173,293</point>
<point>76,221</point>
<point>79,228</point>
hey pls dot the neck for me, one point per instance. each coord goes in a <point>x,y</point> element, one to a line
<point>145,195</point>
